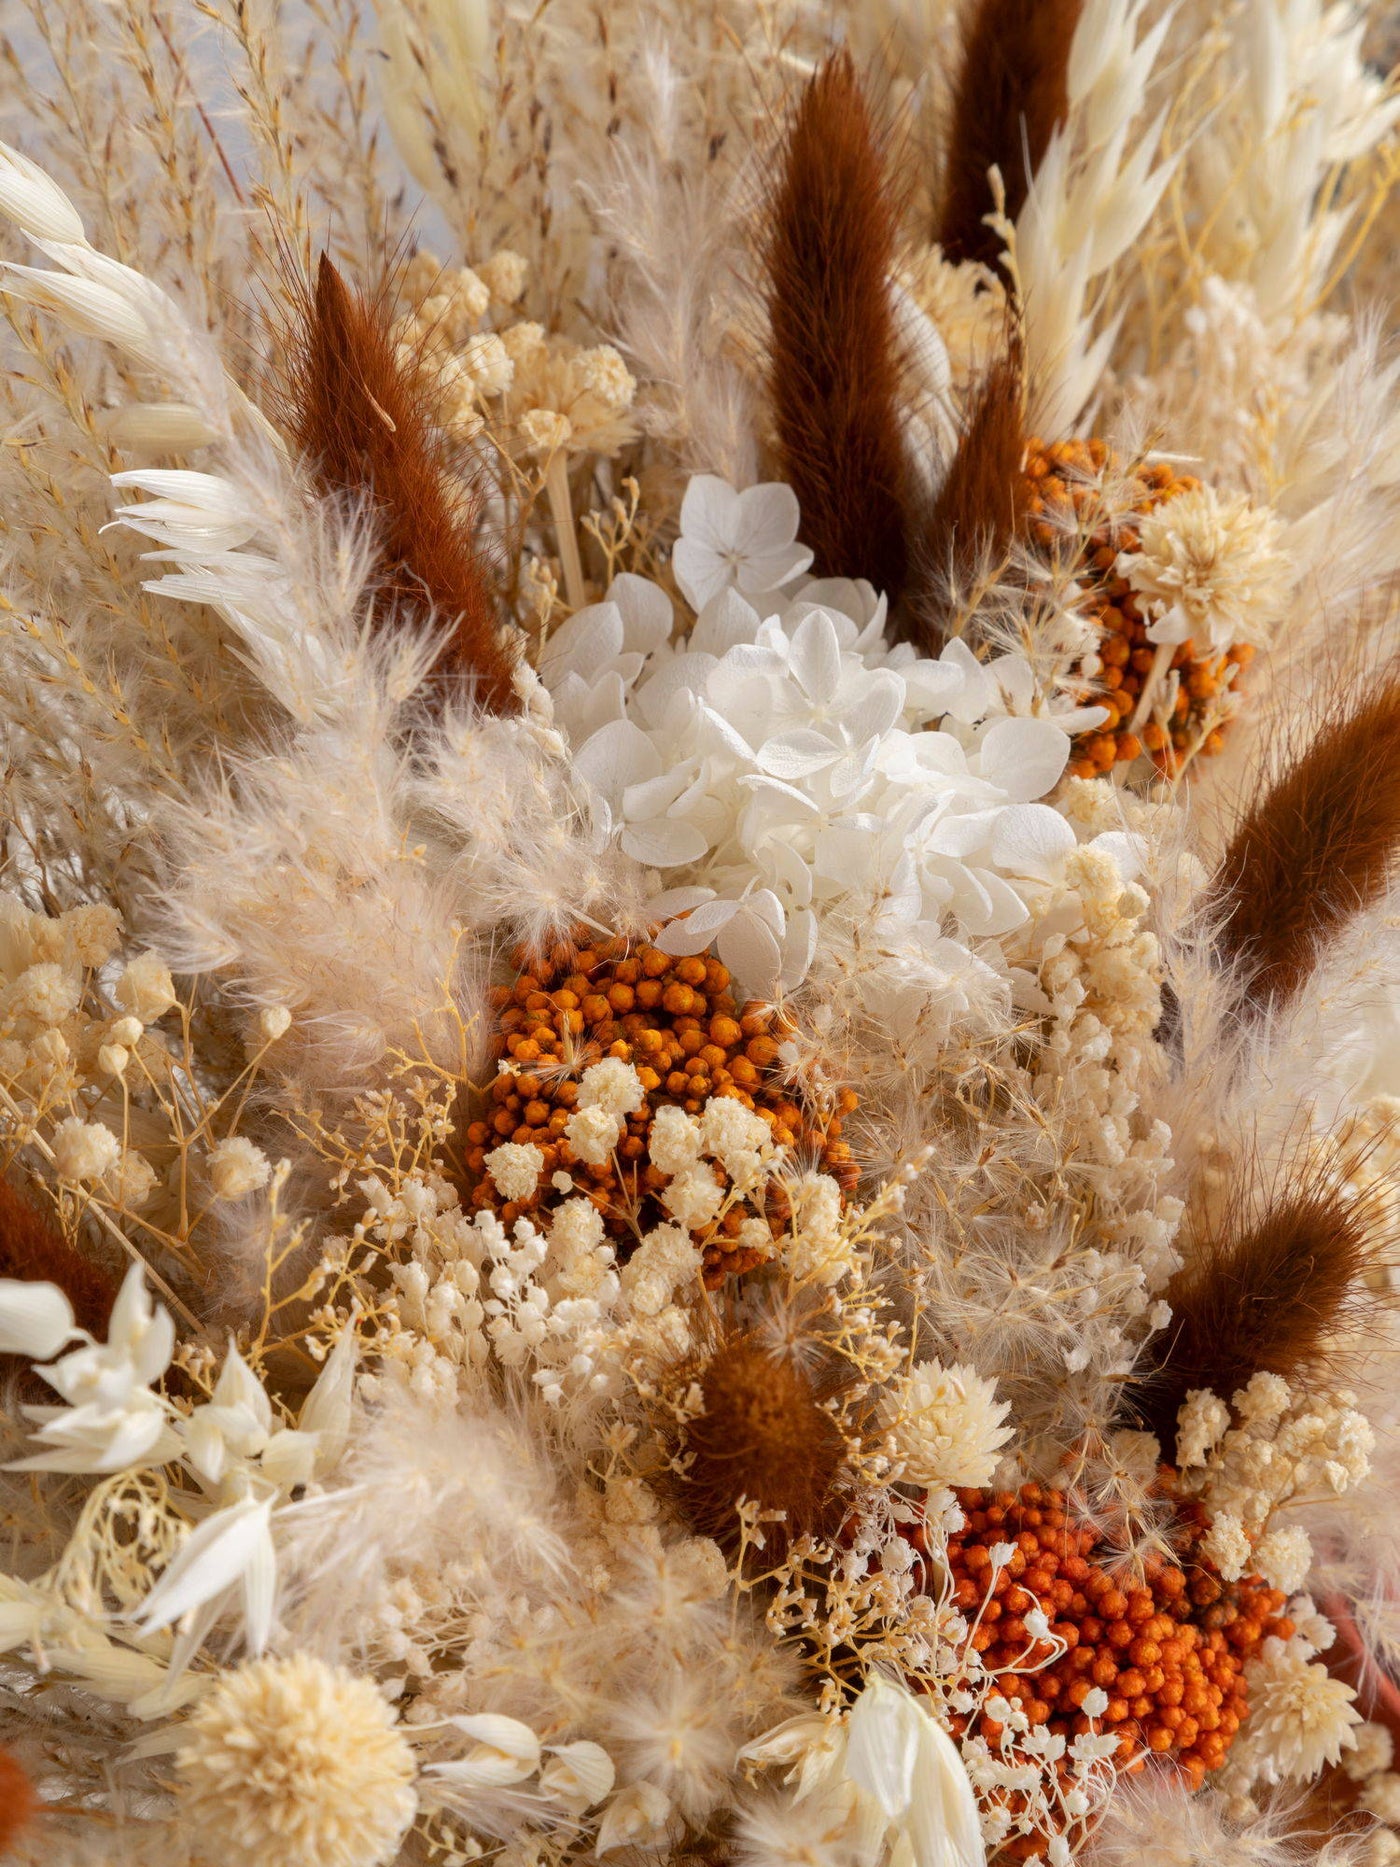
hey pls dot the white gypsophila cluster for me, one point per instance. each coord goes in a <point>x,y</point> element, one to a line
<point>1285,1449</point>
<point>546,1296</point>
<point>946,1424</point>
<point>782,763</point>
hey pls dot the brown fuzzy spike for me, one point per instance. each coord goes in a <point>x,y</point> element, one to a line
<point>1010,95</point>
<point>980,504</point>
<point>368,423</point>
<point>1262,1295</point>
<point>834,370</point>
<point>33,1250</point>
<point>1315,850</point>
<point>764,1435</point>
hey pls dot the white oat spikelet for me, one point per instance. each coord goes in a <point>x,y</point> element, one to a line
<point>290,1760</point>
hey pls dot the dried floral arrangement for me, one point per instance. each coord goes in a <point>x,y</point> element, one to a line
<point>699,1000</point>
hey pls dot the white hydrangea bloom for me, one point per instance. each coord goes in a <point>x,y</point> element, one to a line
<point>787,770</point>
<point>728,538</point>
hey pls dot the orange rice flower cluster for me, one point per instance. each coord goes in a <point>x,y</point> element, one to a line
<point>1063,482</point>
<point>1168,1650</point>
<point>676,1022</point>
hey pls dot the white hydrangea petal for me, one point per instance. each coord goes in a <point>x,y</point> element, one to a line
<point>725,622</point>
<point>664,842</point>
<point>816,657</point>
<point>647,612</point>
<point>583,645</point>
<point>710,511</point>
<point>618,755</point>
<point>751,951</point>
<point>1031,839</point>
<point>1024,757</point>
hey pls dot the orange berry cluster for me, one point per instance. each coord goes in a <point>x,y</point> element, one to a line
<point>1168,1649</point>
<point>1061,480</point>
<point>676,1022</point>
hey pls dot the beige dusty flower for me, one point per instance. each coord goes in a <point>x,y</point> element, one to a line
<point>289,1761</point>
<point>1209,570</point>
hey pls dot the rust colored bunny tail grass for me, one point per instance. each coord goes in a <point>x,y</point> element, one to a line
<point>34,1251</point>
<point>1316,849</point>
<point>366,421</point>
<point>1262,1295</point>
<point>1011,93</point>
<point>980,504</point>
<point>834,369</point>
<point>19,1801</point>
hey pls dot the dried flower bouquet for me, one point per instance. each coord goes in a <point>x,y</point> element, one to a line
<point>699,1001</point>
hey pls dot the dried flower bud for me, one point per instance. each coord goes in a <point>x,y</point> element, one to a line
<point>84,1150</point>
<point>146,989</point>
<point>237,1167</point>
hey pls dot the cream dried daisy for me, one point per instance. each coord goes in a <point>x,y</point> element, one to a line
<point>289,1761</point>
<point>946,1424</point>
<point>1209,570</point>
<point>1300,1717</point>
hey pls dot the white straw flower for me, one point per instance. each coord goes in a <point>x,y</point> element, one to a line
<point>1300,1717</point>
<point>1209,570</point>
<point>947,1425</point>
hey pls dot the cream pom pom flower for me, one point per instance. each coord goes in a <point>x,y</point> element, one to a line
<point>289,1761</point>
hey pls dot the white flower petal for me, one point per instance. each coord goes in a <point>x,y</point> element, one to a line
<point>213,1558</point>
<point>663,842</point>
<point>751,951</point>
<point>942,1821</point>
<point>617,755</point>
<point>883,1736</point>
<point>1031,839</point>
<point>1026,758</point>
<point>36,1319</point>
<point>326,1409</point>
<point>580,1775</point>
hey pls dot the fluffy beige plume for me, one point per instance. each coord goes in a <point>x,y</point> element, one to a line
<point>676,224</point>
